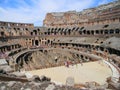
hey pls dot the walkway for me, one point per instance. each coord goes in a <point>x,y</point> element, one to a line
<point>115,72</point>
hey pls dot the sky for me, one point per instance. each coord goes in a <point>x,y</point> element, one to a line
<point>34,11</point>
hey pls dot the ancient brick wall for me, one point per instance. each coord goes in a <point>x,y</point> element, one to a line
<point>99,15</point>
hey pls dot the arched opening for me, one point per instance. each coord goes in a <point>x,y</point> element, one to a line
<point>59,29</point>
<point>97,31</point>
<point>48,29</point>
<point>106,31</point>
<point>66,44</point>
<point>48,33</point>
<point>73,28</point>
<point>31,33</point>
<point>55,28</point>
<point>2,33</point>
<point>92,32</point>
<point>48,41</point>
<point>84,31</point>
<point>52,30</point>
<point>36,42</point>
<point>111,31</point>
<point>88,32</point>
<point>81,56</point>
<point>81,28</point>
<point>51,42</point>
<point>61,32</point>
<point>77,29</point>
<point>45,33</point>
<point>65,32</point>
<point>35,32</point>
<point>38,29</point>
<point>101,32</point>
<point>69,31</point>
<point>80,32</point>
<point>55,32</point>
<point>117,31</point>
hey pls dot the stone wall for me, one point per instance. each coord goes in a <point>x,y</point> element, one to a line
<point>98,15</point>
<point>15,29</point>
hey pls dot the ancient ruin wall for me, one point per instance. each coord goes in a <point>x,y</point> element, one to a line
<point>85,17</point>
<point>15,29</point>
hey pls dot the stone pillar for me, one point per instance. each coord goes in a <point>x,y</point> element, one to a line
<point>33,42</point>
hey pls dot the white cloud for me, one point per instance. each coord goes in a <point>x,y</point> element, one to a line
<point>36,11</point>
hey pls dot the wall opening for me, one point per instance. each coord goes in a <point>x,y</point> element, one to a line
<point>2,33</point>
<point>36,42</point>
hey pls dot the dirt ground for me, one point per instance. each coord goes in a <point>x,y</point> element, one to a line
<point>91,71</point>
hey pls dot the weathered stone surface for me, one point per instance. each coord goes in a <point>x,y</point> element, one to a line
<point>36,78</point>
<point>73,18</point>
<point>44,78</point>
<point>2,71</point>
<point>50,87</point>
<point>70,81</point>
<point>94,26</point>
<point>32,86</point>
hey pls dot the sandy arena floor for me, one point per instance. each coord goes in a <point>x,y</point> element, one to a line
<point>92,71</point>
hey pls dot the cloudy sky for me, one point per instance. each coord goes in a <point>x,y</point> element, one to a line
<point>34,11</point>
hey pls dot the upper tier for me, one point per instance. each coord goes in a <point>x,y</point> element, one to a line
<point>73,18</point>
<point>14,24</point>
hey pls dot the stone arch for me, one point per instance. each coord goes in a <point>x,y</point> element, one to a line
<point>59,29</point>
<point>38,29</point>
<point>92,32</point>
<point>73,28</point>
<point>80,32</point>
<point>77,29</point>
<point>2,33</point>
<point>48,31</point>
<point>52,30</point>
<point>26,29</point>
<point>111,31</point>
<point>84,31</point>
<point>36,43</point>
<point>101,31</point>
<point>105,31</point>
<point>66,44</point>
<point>48,41</point>
<point>81,56</point>
<point>55,28</point>
<point>82,28</point>
<point>117,31</point>
<point>69,31</point>
<point>88,32</point>
<point>31,33</point>
<point>97,31</point>
<point>35,32</point>
<point>65,31</point>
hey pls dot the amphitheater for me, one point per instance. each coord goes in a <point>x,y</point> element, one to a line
<point>80,50</point>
